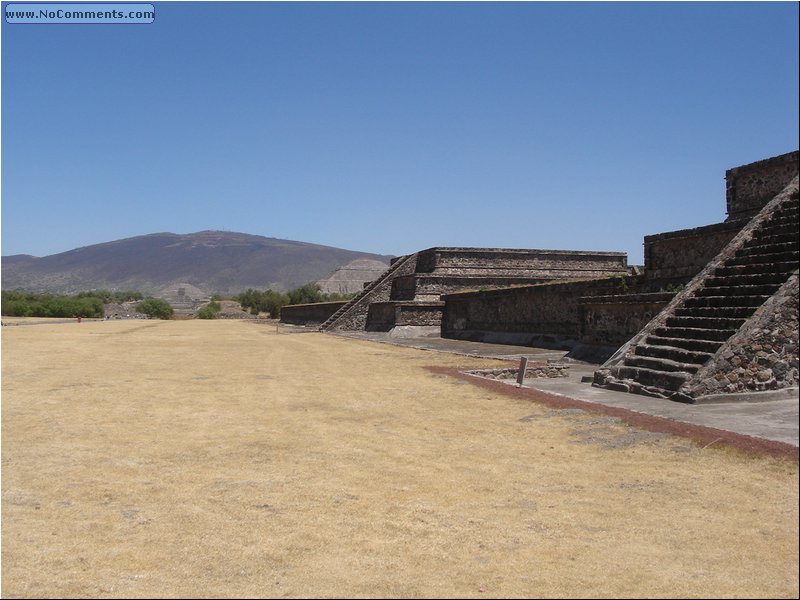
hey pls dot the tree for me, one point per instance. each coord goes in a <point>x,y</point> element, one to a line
<point>209,311</point>
<point>309,293</point>
<point>155,308</point>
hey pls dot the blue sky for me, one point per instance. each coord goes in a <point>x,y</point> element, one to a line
<point>393,127</point>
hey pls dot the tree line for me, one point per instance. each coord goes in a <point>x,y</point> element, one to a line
<point>271,302</point>
<point>90,304</point>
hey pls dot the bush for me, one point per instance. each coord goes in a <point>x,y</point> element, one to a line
<point>209,311</point>
<point>116,297</point>
<point>155,308</point>
<point>309,293</point>
<point>31,304</point>
<point>268,301</point>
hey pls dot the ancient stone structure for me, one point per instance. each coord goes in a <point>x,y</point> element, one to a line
<point>184,298</point>
<point>352,277</point>
<point>593,319</point>
<point>751,186</point>
<point>733,329</point>
<point>409,293</point>
<point>309,314</point>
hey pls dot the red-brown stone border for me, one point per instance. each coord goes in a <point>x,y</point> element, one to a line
<point>704,436</point>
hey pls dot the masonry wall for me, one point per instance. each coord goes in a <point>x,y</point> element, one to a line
<point>301,314</point>
<point>680,255</point>
<point>383,316</point>
<point>512,262</point>
<point>749,187</point>
<point>610,321</point>
<point>547,315</point>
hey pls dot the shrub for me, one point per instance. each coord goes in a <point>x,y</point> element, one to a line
<point>30,304</point>
<point>155,308</point>
<point>209,311</point>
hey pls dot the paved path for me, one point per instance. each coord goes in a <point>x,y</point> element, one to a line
<point>775,420</point>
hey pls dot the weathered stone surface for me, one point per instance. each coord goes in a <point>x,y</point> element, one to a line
<point>436,271</point>
<point>350,278</point>
<point>532,371</point>
<point>749,187</point>
<point>769,339</point>
<point>305,314</point>
<point>682,254</point>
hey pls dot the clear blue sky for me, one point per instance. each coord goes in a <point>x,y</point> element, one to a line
<point>393,127</point>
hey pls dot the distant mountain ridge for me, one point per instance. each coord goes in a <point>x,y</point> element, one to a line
<point>213,261</point>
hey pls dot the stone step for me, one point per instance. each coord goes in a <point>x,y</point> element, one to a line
<point>725,312</point>
<point>778,267</point>
<point>766,249</point>
<point>771,257</point>
<point>671,381</point>
<point>695,333</point>
<point>739,290</point>
<point>660,364</point>
<point>705,322</point>
<point>674,353</point>
<point>777,228</point>
<point>788,208</point>
<point>746,279</point>
<point>765,237</point>
<point>784,216</point>
<point>724,301</point>
<point>707,346</point>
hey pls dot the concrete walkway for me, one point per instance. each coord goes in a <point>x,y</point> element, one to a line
<point>775,420</point>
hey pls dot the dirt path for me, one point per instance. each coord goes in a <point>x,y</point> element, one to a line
<point>219,459</point>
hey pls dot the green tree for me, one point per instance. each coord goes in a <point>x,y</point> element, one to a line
<point>155,308</point>
<point>209,311</point>
<point>309,293</point>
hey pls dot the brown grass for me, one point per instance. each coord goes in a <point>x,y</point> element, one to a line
<point>219,459</point>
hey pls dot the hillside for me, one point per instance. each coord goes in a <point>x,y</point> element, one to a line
<point>212,261</point>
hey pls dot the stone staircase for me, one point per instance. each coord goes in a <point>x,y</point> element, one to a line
<point>353,314</point>
<point>717,303</point>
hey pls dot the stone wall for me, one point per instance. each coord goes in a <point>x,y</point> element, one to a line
<point>751,186</point>
<point>680,255</point>
<point>547,315</point>
<point>550,264</point>
<point>431,287</point>
<point>610,321</point>
<point>302,314</point>
<point>761,356</point>
<point>383,316</point>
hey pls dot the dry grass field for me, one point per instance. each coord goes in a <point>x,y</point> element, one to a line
<point>220,459</point>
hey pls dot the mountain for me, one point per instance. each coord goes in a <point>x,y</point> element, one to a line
<point>211,261</point>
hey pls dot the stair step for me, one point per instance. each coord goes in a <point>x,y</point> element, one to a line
<point>671,381</point>
<point>786,226</point>
<point>766,236</point>
<point>782,217</point>
<point>725,301</point>
<point>673,353</point>
<point>705,322</point>
<point>739,290</point>
<point>707,346</point>
<point>777,267</point>
<point>695,333</point>
<point>769,258</point>
<point>726,312</point>
<point>764,249</point>
<point>660,364</point>
<point>746,279</point>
